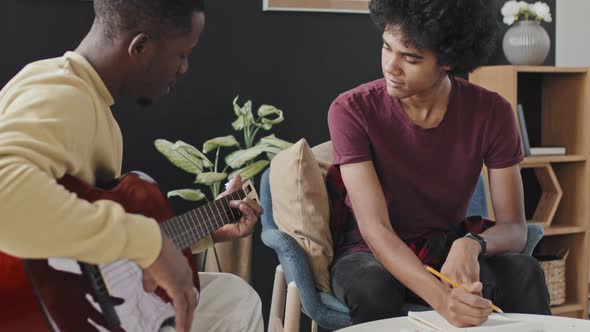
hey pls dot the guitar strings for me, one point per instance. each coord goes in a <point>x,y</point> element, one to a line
<point>177,233</point>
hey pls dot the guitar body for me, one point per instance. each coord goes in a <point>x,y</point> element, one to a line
<point>65,293</point>
<point>19,310</point>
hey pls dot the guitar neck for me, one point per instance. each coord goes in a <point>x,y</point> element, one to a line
<point>189,228</point>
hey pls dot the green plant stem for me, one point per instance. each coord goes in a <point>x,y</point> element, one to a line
<point>246,131</point>
<point>254,135</point>
<point>216,158</point>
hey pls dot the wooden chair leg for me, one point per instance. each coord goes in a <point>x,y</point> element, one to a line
<point>292,309</point>
<point>277,304</point>
<point>314,326</point>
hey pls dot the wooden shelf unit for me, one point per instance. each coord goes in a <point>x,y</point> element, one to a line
<point>556,102</point>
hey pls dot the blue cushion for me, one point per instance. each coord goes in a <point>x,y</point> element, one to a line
<point>534,235</point>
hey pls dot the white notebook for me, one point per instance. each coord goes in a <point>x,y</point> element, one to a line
<point>496,322</point>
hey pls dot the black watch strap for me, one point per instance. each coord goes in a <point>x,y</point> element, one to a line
<point>482,242</point>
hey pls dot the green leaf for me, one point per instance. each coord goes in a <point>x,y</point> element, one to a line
<point>224,141</point>
<point>272,149</point>
<point>274,141</point>
<point>244,114</point>
<point>247,108</point>
<point>265,126</point>
<point>187,194</point>
<point>189,150</point>
<point>185,161</point>
<point>238,124</point>
<point>210,177</point>
<point>237,108</point>
<point>238,158</point>
<point>162,145</point>
<point>265,110</point>
<point>250,171</point>
<point>247,112</point>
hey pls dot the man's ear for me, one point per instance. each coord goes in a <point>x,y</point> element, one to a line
<point>140,46</point>
<point>446,68</point>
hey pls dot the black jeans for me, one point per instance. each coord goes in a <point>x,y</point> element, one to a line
<point>514,282</point>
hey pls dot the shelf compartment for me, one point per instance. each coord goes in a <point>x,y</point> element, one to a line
<point>576,292</point>
<point>551,194</point>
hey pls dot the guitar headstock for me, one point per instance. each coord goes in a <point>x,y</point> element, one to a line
<point>250,191</point>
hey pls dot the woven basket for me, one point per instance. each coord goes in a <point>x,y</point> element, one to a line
<point>555,277</point>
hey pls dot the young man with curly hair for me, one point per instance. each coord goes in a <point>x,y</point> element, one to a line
<point>55,119</point>
<point>409,149</point>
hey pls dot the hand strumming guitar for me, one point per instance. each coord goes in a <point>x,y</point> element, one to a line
<point>172,273</point>
<point>250,210</point>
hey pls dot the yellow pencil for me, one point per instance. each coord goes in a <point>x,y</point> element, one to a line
<point>454,284</point>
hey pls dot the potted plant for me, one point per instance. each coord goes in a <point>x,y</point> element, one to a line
<point>248,158</point>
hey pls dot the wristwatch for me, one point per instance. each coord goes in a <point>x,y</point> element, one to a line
<point>482,242</point>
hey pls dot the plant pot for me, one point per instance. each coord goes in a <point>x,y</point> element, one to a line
<point>526,43</point>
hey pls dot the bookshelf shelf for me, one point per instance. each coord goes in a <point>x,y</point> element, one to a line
<point>563,230</point>
<point>540,69</point>
<point>567,309</point>
<point>556,113</point>
<point>538,160</point>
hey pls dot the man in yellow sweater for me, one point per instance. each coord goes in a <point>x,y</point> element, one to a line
<point>55,119</point>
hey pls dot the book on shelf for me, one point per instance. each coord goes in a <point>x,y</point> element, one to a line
<point>523,131</point>
<point>526,146</point>
<point>548,151</point>
<point>496,322</point>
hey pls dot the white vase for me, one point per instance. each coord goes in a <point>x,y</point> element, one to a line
<point>526,43</point>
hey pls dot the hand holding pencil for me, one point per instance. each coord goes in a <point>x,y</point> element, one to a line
<point>455,284</point>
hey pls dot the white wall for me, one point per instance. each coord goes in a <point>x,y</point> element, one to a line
<point>572,46</point>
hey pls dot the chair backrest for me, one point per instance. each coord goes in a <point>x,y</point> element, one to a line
<point>478,206</point>
<point>323,308</point>
<point>267,219</point>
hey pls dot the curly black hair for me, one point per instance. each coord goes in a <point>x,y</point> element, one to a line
<point>158,17</point>
<point>461,33</point>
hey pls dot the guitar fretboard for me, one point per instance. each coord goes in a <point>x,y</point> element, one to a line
<point>188,228</point>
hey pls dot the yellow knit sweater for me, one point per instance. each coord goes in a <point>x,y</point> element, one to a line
<point>55,119</point>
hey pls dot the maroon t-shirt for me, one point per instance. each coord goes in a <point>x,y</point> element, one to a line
<point>428,175</point>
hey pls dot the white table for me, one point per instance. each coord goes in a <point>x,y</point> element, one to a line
<point>403,324</point>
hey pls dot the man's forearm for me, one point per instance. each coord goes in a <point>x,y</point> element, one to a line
<point>505,238</point>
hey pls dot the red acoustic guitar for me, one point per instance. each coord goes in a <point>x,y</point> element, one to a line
<point>64,295</point>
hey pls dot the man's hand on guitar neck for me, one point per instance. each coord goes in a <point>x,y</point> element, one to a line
<point>172,273</point>
<point>250,210</point>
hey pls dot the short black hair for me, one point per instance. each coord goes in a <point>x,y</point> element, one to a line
<point>158,17</point>
<point>461,33</point>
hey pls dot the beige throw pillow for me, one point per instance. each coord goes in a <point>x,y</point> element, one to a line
<point>300,206</point>
<point>323,155</point>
